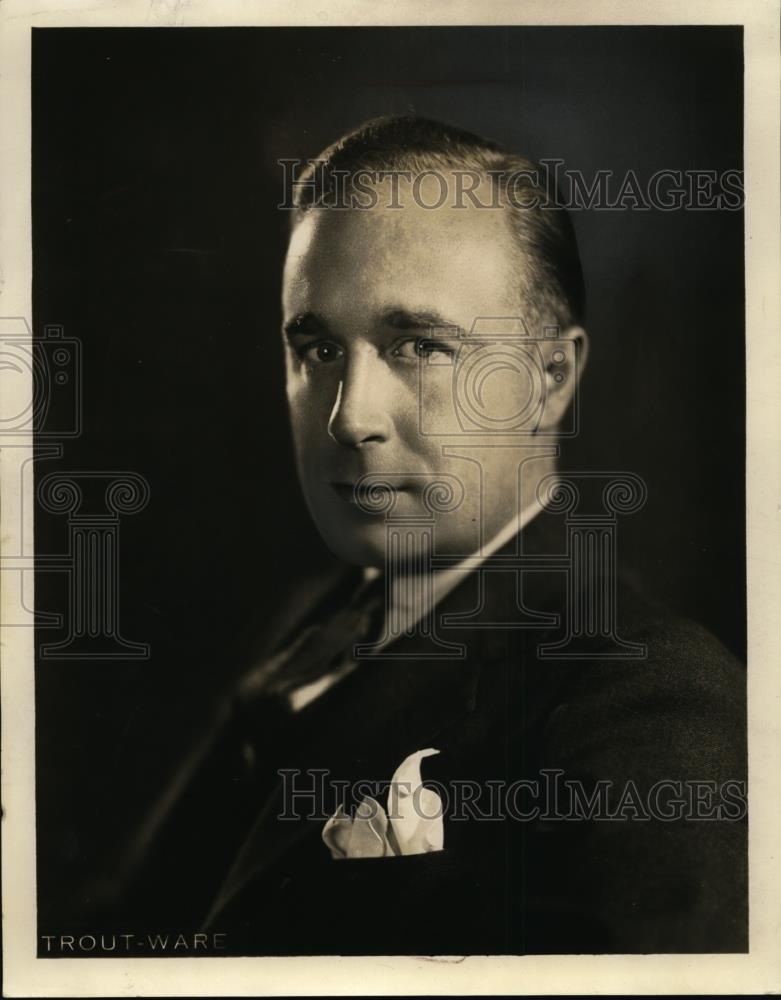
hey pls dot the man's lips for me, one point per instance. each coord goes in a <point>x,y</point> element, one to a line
<point>346,491</point>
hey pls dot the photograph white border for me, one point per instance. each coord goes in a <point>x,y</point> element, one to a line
<point>757,972</point>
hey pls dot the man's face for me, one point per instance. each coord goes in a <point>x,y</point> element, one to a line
<point>362,294</point>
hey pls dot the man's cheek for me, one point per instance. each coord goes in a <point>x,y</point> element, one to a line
<point>428,411</point>
<point>309,410</point>
<point>297,392</point>
<point>308,440</point>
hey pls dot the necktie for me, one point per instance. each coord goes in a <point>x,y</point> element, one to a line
<point>319,647</point>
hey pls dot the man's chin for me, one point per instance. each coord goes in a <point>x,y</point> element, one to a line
<point>365,544</point>
<point>359,545</point>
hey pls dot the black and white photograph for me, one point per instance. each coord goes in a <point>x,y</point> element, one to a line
<point>380,460</point>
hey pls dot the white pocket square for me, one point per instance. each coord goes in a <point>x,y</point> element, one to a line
<point>412,825</point>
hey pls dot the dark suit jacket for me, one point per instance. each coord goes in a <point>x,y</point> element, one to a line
<point>219,856</point>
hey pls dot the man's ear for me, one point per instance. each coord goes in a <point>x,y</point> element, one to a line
<point>564,358</point>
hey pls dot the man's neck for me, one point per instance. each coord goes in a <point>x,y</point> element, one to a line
<point>412,596</point>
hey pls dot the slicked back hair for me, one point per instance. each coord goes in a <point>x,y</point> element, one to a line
<point>550,274</point>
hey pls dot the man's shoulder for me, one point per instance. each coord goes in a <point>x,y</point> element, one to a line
<point>681,702</point>
<point>679,655</point>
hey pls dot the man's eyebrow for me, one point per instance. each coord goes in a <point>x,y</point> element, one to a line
<point>305,324</point>
<point>405,319</point>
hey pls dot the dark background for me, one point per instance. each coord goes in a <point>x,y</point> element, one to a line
<point>157,243</point>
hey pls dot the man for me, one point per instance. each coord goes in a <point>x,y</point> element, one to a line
<point>433,329</point>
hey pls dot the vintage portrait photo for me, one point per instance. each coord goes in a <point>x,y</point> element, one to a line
<point>381,505</point>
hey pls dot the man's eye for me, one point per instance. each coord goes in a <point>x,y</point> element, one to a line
<point>320,352</point>
<point>423,347</point>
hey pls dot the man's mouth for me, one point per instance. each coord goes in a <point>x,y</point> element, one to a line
<point>347,492</point>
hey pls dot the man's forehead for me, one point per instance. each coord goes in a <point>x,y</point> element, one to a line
<point>432,200</point>
<point>407,251</point>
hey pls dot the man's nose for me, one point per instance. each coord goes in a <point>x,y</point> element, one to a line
<point>361,415</point>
